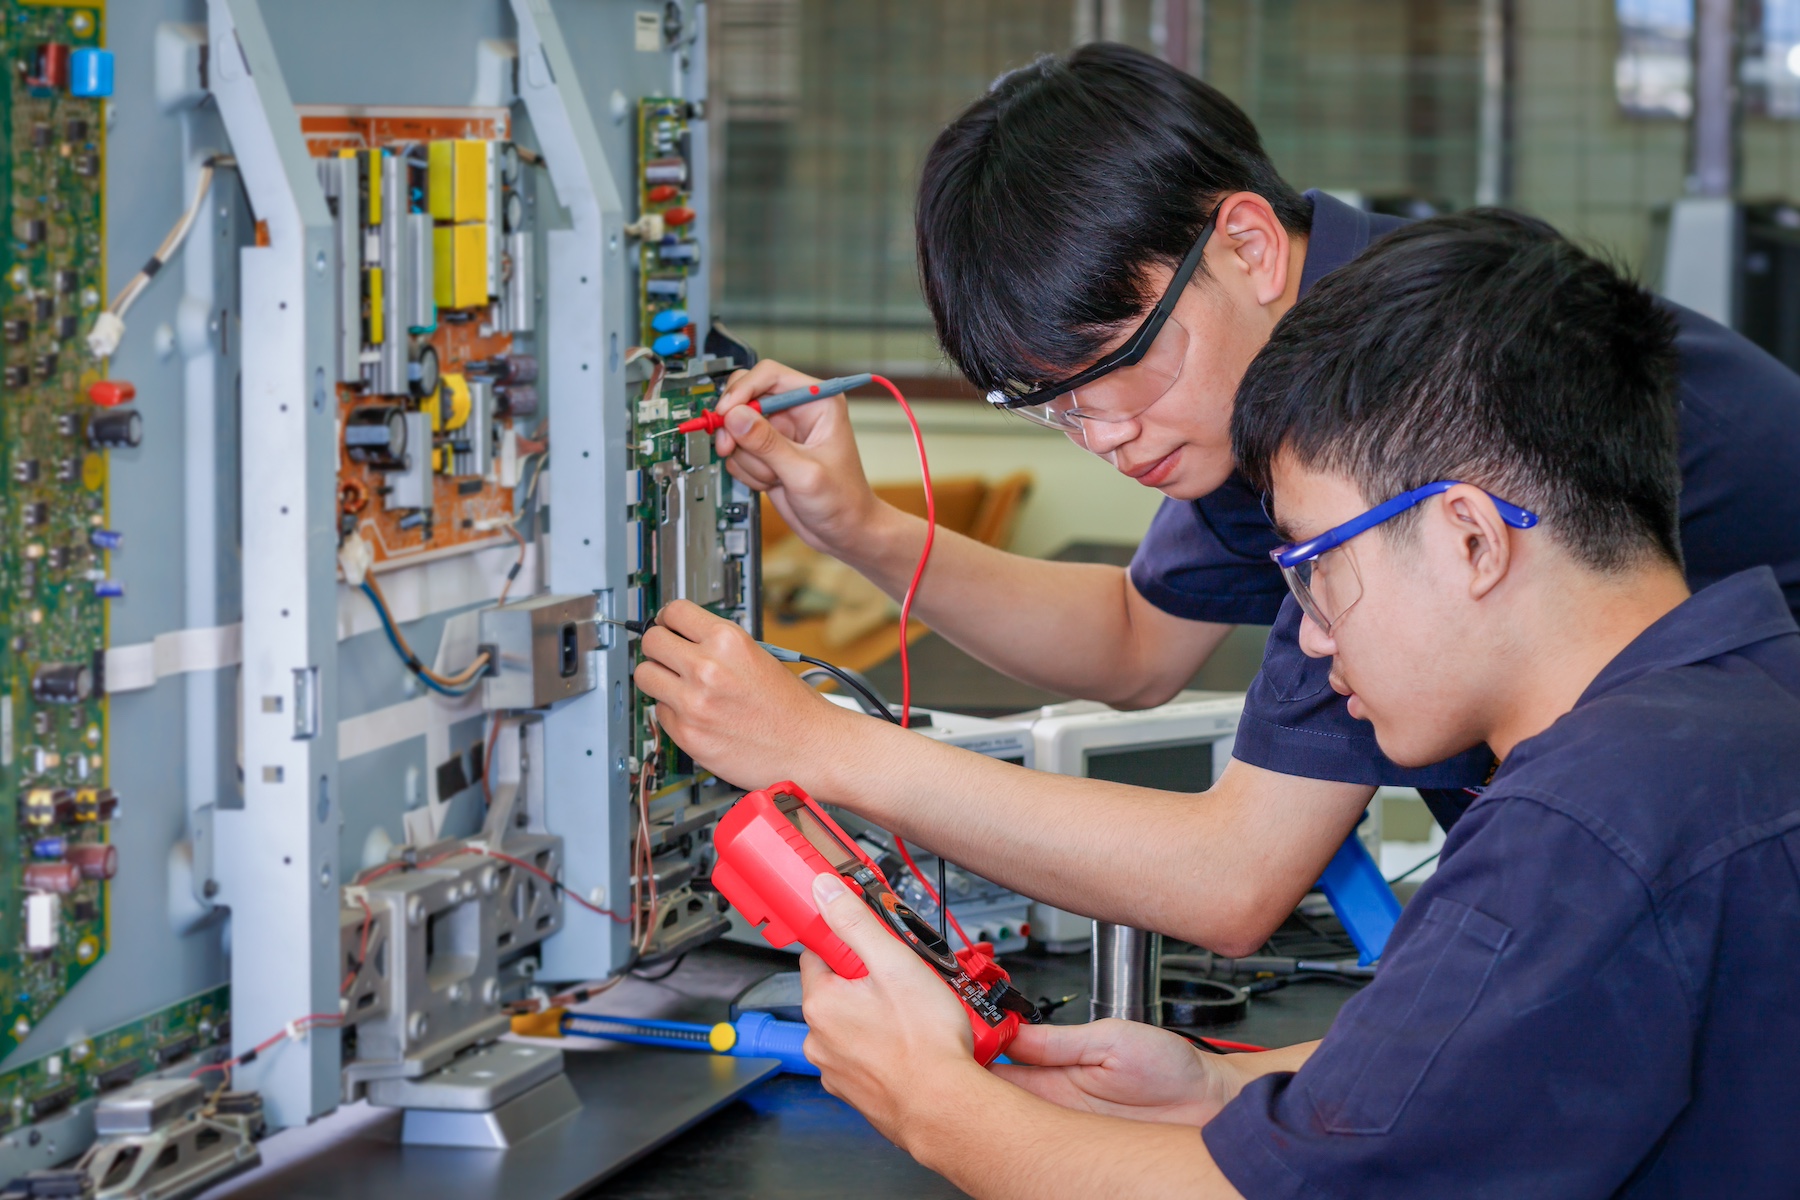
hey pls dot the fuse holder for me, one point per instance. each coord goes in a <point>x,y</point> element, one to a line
<point>108,393</point>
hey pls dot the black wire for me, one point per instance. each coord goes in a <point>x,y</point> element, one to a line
<point>673,967</point>
<point>1416,866</point>
<point>1197,1040</point>
<point>871,703</point>
<point>943,902</point>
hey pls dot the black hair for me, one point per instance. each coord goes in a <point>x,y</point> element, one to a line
<point>1041,206</point>
<point>1485,347</point>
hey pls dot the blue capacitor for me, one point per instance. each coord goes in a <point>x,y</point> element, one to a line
<point>106,539</point>
<point>91,73</point>
<point>51,847</point>
<point>671,344</point>
<point>108,589</point>
<point>669,320</point>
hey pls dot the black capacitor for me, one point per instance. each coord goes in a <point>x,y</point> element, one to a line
<point>520,368</point>
<point>62,683</point>
<point>520,400</point>
<point>115,428</point>
<point>376,434</point>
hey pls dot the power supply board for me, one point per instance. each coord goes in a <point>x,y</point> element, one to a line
<point>435,279</point>
<point>57,419</point>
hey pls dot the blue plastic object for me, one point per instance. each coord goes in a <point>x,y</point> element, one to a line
<point>758,1035</point>
<point>763,1036</point>
<point>91,73</point>
<point>106,539</point>
<point>671,344</point>
<point>1361,897</point>
<point>669,320</point>
<point>108,589</point>
<point>51,847</point>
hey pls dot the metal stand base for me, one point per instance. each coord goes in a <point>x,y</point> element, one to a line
<point>521,1117</point>
<point>633,1099</point>
<point>476,1081</point>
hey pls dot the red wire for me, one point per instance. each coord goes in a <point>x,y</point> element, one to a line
<point>912,589</point>
<point>1243,1047</point>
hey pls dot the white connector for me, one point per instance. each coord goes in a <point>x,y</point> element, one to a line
<point>649,227</point>
<point>355,557</point>
<point>104,338</point>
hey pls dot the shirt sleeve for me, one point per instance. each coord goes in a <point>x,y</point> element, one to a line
<point>1294,723</point>
<point>1208,559</point>
<point>1523,1037</point>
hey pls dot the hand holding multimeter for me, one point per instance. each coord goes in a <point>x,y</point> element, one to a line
<point>771,846</point>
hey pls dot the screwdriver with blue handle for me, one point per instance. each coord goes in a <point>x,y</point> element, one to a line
<point>711,422</point>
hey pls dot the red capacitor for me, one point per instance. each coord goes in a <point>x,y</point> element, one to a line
<point>95,860</point>
<point>50,67</point>
<point>674,218</point>
<point>766,867</point>
<point>59,877</point>
<point>662,193</point>
<point>109,392</point>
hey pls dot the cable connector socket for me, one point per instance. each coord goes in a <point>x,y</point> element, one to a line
<point>104,338</point>
<point>355,557</point>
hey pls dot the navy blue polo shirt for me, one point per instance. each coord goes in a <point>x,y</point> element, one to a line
<point>1595,993</point>
<point>1208,559</point>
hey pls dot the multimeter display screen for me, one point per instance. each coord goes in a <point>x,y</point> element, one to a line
<point>841,858</point>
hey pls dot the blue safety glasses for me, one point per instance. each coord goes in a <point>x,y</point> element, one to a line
<point>1326,585</point>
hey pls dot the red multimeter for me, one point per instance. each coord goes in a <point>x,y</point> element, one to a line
<point>771,846</point>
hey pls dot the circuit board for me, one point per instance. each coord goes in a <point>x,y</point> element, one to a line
<point>665,182</point>
<point>459,503</point>
<point>113,1059</point>
<point>53,552</point>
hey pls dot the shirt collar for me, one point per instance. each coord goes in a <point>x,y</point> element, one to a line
<point>1339,233</point>
<point>1735,612</point>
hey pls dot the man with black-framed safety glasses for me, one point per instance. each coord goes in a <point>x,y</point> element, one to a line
<point>1125,382</point>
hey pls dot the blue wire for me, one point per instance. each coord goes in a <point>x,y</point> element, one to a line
<point>387,627</point>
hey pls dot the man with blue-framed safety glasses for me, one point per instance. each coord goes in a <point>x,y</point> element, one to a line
<point>1323,577</point>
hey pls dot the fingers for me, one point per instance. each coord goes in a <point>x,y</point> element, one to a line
<point>1058,1045</point>
<point>859,928</point>
<point>748,470</point>
<point>691,621</point>
<point>752,434</point>
<point>765,377</point>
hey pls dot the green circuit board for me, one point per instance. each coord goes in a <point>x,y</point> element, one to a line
<point>692,536</point>
<point>109,1060</point>
<point>665,183</point>
<point>53,500</point>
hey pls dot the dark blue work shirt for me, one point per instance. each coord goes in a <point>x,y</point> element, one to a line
<point>1595,993</point>
<point>1208,559</point>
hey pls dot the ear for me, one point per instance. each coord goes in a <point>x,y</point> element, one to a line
<point>1250,244</point>
<point>1483,541</point>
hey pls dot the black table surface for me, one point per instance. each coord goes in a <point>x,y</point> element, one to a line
<point>789,1139</point>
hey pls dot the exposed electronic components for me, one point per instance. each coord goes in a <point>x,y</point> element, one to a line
<point>435,288</point>
<point>666,226</point>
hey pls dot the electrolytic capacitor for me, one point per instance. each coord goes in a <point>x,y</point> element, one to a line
<point>520,400</point>
<point>422,372</point>
<point>377,435</point>
<point>520,368</point>
<point>60,878</point>
<point>95,860</point>
<point>62,683</point>
<point>115,430</point>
